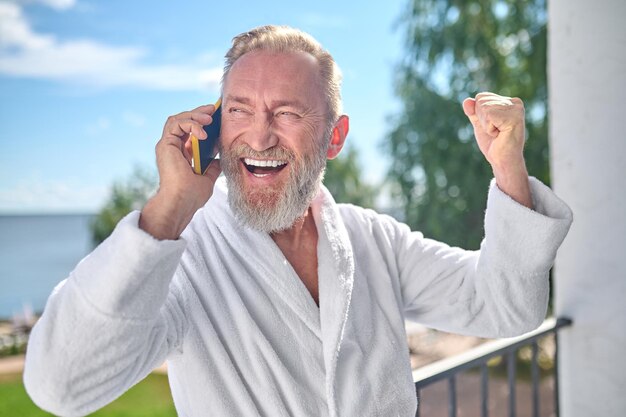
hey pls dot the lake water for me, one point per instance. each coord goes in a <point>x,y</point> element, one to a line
<point>36,253</point>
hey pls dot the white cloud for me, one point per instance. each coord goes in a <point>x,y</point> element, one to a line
<point>15,31</point>
<point>55,4</point>
<point>36,194</point>
<point>25,53</point>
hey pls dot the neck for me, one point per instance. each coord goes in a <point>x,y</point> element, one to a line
<point>300,233</point>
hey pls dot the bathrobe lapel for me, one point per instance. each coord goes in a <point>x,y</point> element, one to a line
<point>335,274</point>
<point>336,279</point>
<point>261,254</point>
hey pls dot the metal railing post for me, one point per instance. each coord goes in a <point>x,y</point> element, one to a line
<point>511,374</point>
<point>452,396</point>
<point>484,390</point>
<point>534,370</point>
<point>557,408</point>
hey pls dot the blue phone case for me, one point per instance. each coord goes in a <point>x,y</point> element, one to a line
<point>204,150</point>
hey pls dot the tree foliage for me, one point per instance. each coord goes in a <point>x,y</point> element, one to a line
<point>455,49</point>
<point>344,181</point>
<point>125,197</point>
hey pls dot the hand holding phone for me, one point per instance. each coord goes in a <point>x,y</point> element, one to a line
<point>204,151</point>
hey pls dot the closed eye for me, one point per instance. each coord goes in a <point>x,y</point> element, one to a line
<point>238,112</point>
<point>288,114</point>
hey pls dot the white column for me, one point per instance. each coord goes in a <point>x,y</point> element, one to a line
<point>587,78</point>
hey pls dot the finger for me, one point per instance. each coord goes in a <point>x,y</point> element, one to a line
<point>187,151</point>
<point>213,170</point>
<point>208,109</point>
<point>485,96</point>
<point>183,128</point>
<point>205,108</point>
<point>492,130</point>
<point>202,118</point>
<point>173,122</point>
<point>481,118</point>
<point>201,115</point>
<point>167,150</point>
<point>495,102</point>
<point>485,122</point>
<point>469,108</point>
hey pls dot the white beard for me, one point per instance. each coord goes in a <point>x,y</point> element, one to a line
<point>273,209</point>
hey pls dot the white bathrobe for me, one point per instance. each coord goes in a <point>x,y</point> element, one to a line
<point>242,335</point>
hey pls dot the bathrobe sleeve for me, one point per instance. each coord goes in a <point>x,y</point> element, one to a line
<point>499,291</point>
<point>108,325</point>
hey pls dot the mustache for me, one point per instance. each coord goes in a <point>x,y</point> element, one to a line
<point>275,152</point>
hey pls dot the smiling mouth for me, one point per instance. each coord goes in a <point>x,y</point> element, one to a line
<point>263,167</point>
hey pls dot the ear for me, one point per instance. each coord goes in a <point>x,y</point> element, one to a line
<point>338,136</point>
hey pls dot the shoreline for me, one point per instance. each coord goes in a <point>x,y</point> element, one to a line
<point>14,364</point>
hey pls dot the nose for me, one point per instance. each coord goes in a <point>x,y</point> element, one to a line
<point>262,135</point>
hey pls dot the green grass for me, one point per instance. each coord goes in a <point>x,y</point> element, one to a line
<point>149,398</point>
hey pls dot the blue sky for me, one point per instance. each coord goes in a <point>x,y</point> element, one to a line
<point>86,86</point>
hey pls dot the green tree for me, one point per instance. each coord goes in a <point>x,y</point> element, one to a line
<point>455,49</point>
<point>344,181</point>
<point>125,197</point>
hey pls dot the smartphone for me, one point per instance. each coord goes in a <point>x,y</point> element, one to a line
<point>204,151</point>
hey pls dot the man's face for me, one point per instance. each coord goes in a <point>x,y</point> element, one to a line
<point>273,137</point>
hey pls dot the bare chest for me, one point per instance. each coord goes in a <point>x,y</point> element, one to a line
<point>304,263</point>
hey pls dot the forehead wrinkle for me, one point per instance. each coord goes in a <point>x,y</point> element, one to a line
<point>294,103</point>
<point>238,99</point>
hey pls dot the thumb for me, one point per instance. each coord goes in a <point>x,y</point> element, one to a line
<point>469,108</point>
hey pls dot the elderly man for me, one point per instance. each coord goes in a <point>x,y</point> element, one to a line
<point>265,297</point>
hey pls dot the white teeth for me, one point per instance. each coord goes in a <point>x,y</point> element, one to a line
<point>264,162</point>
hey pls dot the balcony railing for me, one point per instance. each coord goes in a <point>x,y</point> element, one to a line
<point>478,357</point>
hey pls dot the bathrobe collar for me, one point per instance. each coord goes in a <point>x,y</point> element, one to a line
<point>336,280</point>
<point>335,273</point>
